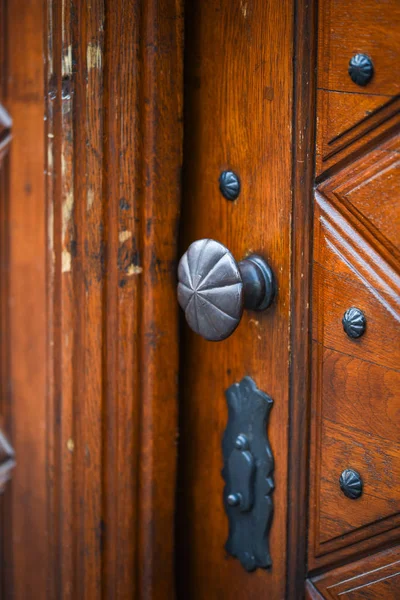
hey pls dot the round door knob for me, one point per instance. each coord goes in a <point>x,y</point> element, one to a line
<point>214,289</point>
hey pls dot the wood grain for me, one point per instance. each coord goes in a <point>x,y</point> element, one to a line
<point>92,221</point>
<point>305,48</point>
<point>348,124</point>
<point>355,390</point>
<point>367,188</point>
<point>349,115</point>
<point>372,578</point>
<point>239,81</point>
<point>25,556</point>
<point>115,158</point>
<point>355,386</point>
<point>349,27</point>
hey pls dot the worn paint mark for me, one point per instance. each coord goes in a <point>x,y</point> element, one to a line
<point>243,7</point>
<point>65,261</point>
<point>71,445</point>
<point>94,56</point>
<point>50,226</point>
<point>124,235</point>
<point>67,208</point>
<point>50,162</point>
<point>67,62</point>
<point>134,270</point>
<point>89,198</point>
<point>256,323</point>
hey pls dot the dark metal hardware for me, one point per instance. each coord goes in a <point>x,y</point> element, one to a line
<point>7,461</point>
<point>229,185</point>
<point>361,69</point>
<point>213,289</point>
<point>354,322</point>
<point>248,469</point>
<point>351,484</point>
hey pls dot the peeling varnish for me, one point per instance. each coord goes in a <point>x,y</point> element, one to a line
<point>50,162</point>
<point>134,270</point>
<point>124,235</point>
<point>67,208</point>
<point>50,228</point>
<point>256,324</point>
<point>67,62</point>
<point>94,56</point>
<point>89,198</point>
<point>71,445</point>
<point>243,7</point>
<point>65,261</point>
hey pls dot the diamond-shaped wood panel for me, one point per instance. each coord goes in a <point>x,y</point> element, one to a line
<point>369,188</point>
<point>375,578</point>
<point>356,383</point>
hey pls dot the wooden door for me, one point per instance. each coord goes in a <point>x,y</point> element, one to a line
<point>115,130</point>
<point>240,101</point>
<point>249,109</point>
<point>90,355</point>
<point>356,300</point>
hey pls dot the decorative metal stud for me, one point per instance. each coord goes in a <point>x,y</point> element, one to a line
<point>351,484</point>
<point>361,69</point>
<point>354,322</point>
<point>229,185</point>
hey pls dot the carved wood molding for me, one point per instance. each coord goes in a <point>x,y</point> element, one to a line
<point>349,270</point>
<point>114,133</point>
<point>356,264</point>
<point>363,124</point>
<point>375,576</point>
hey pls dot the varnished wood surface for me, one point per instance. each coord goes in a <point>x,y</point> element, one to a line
<point>355,388</point>
<point>239,82</point>
<point>356,385</point>
<point>92,221</point>
<point>373,578</point>
<point>116,119</point>
<point>25,551</point>
<point>303,160</point>
<point>348,27</point>
<point>89,356</point>
<point>351,116</point>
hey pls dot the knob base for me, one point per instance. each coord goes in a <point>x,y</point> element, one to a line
<point>258,283</point>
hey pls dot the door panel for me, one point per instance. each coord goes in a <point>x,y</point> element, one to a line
<point>374,578</point>
<point>239,117</point>
<point>89,345</point>
<point>349,115</point>
<point>356,379</point>
<point>92,355</point>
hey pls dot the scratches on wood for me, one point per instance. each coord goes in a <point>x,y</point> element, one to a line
<point>94,56</point>
<point>105,147</point>
<point>67,62</point>
<point>65,261</point>
<point>124,235</point>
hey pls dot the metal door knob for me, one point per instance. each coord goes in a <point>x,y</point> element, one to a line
<point>214,289</point>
